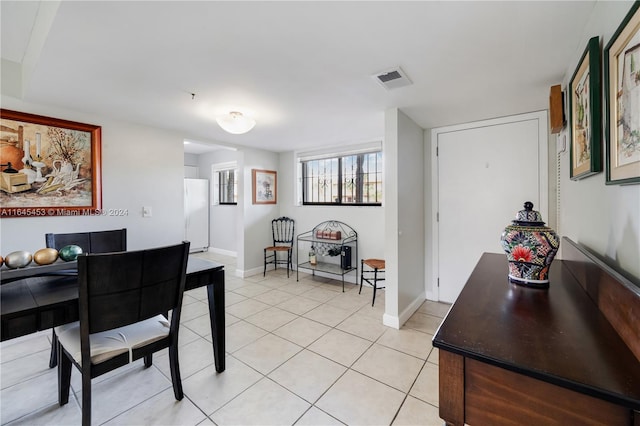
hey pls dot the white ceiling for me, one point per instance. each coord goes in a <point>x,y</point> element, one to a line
<point>302,69</point>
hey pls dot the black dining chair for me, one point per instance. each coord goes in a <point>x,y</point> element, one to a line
<point>283,230</point>
<point>123,301</point>
<point>90,242</point>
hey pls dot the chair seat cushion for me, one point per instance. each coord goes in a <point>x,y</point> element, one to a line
<point>278,248</point>
<point>374,263</point>
<point>108,344</point>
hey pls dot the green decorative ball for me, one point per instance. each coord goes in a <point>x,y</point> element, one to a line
<point>70,252</point>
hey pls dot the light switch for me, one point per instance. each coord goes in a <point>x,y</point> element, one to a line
<point>146,212</point>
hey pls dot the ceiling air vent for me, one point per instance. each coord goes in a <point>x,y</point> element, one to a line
<point>393,78</point>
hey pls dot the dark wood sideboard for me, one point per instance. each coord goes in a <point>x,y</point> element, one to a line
<point>569,355</point>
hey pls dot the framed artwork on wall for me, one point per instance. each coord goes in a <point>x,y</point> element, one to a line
<point>622,96</point>
<point>49,167</point>
<point>265,186</point>
<point>585,112</point>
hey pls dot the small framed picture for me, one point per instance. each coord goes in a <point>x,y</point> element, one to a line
<point>585,111</point>
<point>265,186</point>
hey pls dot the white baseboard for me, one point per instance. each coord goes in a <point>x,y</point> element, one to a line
<point>223,252</point>
<point>249,272</point>
<point>348,278</point>
<point>412,308</point>
<point>397,322</point>
<point>198,249</point>
<point>391,321</point>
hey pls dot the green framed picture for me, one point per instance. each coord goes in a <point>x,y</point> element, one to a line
<point>622,94</point>
<point>585,112</point>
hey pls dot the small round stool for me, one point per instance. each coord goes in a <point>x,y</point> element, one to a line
<point>371,276</point>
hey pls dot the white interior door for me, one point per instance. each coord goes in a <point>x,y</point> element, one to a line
<point>196,210</point>
<point>485,173</point>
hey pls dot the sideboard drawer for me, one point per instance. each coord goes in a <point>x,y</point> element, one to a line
<point>497,396</point>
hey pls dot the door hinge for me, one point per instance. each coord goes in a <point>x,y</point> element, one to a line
<point>438,282</point>
<point>437,216</point>
<point>437,151</point>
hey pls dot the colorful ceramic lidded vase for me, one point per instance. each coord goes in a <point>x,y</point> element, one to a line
<point>530,248</point>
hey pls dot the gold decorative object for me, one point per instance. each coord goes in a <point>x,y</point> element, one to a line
<point>45,256</point>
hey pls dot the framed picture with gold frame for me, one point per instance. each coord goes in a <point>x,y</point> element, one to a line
<point>622,95</point>
<point>49,166</point>
<point>585,112</point>
<point>265,186</point>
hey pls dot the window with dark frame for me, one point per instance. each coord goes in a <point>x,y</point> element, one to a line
<point>343,180</point>
<point>228,186</point>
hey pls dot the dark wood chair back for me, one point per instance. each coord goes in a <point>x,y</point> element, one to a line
<point>117,289</point>
<point>90,242</point>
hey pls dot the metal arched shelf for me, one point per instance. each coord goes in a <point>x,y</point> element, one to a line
<point>335,245</point>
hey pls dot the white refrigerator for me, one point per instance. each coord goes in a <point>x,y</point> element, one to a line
<point>196,213</point>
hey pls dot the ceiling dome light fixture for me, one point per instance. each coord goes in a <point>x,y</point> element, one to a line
<point>235,122</point>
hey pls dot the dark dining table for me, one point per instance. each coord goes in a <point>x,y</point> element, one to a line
<point>37,298</point>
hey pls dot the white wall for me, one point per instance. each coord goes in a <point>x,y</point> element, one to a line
<point>404,217</point>
<point>254,229</point>
<point>223,220</point>
<point>391,199</point>
<point>411,201</point>
<point>605,218</point>
<point>141,166</point>
<point>367,221</point>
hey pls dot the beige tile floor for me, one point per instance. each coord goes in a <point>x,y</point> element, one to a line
<point>302,353</point>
